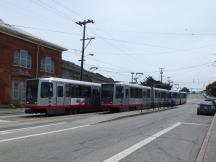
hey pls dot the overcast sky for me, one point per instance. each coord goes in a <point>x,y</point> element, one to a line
<point>131,35</point>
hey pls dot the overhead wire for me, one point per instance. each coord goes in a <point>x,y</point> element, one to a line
<point>133,42</point>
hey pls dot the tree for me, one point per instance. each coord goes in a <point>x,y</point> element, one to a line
<point>211,89</point>
<point>184,89</point>
<point>151,82</point>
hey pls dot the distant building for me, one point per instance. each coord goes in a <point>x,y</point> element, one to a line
<point>24,56</point>
<point>72,71</point>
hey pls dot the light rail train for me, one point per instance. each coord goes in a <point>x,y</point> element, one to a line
<point>58,96</point>
<point>124,97</point>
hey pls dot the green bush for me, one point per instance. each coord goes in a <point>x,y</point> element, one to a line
<point>211,89</point>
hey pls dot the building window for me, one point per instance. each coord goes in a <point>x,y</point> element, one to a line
<point>47,64</point>
<point>15,88</point>
<point>18,90</point>
<point>22,58</point>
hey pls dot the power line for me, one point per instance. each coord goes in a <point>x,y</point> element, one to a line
<point>136,43</point>
<point>158,33</point>
<point>53,10</point>
<point>49,30</point>
<point>110,53</point>
<point>190,67</point>
<point>69,9</point>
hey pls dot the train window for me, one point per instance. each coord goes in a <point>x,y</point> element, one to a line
<point>148,93</point>
<point>144,94</point>
<point>85,91</point>
<point>107,91</point>
<point>126,93</point>
<point>60,91</point>
<point>136,93</point>
<point>70,90</point>
<point>46,90</point>
<point>156,94</point>
<point>163,94</point>
<point>77,91</point>
<point>119,92</point>
<point>140,95</point>
<point>96,93</point>
<point>159,94</point>
<point>132,92</point>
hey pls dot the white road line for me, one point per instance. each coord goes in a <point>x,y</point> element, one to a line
<point>29,128</point>
<point>4,121</point>
<point>195,124</point>
<point>140,144</point>
<point>40,134</point>
<point>21,115</point>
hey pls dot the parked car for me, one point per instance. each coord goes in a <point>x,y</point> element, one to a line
<point>206,107</point>
<point>212,100</point>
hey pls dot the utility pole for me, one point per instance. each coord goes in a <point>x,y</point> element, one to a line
<point>132,73</point>
<point>83,23</point>
<point>161,74</point>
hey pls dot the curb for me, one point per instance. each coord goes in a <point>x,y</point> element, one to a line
<point>202,152</point>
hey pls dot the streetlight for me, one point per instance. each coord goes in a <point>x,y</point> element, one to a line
<point>137,76</point>
<point>90,54</point>
<point>93,68</point>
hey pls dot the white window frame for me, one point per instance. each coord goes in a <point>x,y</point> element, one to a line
<point>47,64</point>
<point>22,56</point>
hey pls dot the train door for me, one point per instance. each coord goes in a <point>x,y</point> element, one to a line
<point>60,94</point>
<point>127,96</point>
<point>96,96</point>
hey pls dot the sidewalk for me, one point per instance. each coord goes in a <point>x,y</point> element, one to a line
<point>207,152</point>
<point>210,153</point>
<point>5,111</point>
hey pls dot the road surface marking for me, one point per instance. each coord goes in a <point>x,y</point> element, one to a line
<point>40,134</point>
<point>21,115</point>
<point>195,124</point>
<point>29,128</point>
<point>140,144</point>
<point>4,121</point>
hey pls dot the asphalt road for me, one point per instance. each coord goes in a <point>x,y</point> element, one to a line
<point>165,136</point>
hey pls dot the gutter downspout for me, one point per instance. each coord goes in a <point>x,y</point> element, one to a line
<point>37,65</point>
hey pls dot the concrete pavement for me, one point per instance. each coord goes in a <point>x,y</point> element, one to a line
<point>173,135</point>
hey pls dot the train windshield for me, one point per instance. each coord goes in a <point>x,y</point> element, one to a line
<point>107,91</point>
<point>31,91</point>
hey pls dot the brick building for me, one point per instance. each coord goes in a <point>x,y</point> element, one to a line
<point>24,56</point>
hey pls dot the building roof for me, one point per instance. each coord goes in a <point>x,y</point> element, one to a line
<point>21,34</point>
<point>88,75</point>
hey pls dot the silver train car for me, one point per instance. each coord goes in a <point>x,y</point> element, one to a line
<point>57,96</point>
<point>124,97</point>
